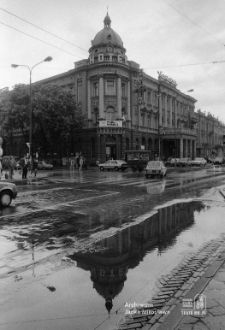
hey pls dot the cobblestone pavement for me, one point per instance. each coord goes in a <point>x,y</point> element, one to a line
<point>200,273</point>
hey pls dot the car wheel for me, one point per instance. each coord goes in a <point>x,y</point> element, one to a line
<point>5,198</point>
<point>116,168</point>
<point>101,168</point>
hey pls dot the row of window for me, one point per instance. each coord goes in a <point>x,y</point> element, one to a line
<point>110,88</point>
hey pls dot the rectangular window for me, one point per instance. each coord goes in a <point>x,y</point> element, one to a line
<point>110,87</point>
<point>95,89</point>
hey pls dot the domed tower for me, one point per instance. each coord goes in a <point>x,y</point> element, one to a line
<point>107,45</point>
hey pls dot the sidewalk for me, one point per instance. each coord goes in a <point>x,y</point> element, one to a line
<point>199,278</point>
<point>17,176</point>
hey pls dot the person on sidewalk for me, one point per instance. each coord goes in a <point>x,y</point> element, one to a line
<point>24,164</point>
<point>72,164</point>
<point>84,164</point>
<point>35,166</point>
<point>81,164</point>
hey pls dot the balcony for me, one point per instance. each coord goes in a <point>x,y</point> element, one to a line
<point>178,131</point>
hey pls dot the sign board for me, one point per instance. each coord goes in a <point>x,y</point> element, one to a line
<point>110,123</point>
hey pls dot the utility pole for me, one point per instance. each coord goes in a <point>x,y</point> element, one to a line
<point>159,96</point>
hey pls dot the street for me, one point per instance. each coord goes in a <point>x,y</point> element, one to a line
<point>77,246</point>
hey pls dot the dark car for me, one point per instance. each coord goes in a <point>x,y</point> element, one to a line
<point>218,161</point>
<point>8,191</point>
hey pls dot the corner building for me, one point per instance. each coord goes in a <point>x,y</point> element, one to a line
<point>125,108</point>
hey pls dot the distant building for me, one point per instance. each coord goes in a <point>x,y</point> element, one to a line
<point>210,135</point>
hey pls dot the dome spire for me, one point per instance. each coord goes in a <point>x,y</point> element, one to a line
<point>107,20</point>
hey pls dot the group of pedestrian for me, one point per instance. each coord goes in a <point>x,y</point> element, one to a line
<point>79,162</point>
<point>27,165</point>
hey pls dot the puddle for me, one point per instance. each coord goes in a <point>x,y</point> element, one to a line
<point>120,266</point>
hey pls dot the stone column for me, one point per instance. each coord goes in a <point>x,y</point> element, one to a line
<point>160,110</point>
<point>119,98</point>
<point>181,148</point>
<point>175,124</point>
<point>128,100</point>
<point>171,113</point>
<point>101,97</point>
<point>194,149</point>
<point>165,110</point>
<point>89,98</point>
<point>191,148</point>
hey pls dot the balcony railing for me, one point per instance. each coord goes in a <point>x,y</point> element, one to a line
<point>180,130</point>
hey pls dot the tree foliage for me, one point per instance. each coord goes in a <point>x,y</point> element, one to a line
<point>55,116</point>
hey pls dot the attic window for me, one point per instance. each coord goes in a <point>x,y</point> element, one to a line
<point>109,37</point>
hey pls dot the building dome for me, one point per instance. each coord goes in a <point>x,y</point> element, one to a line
<point>107,35</point>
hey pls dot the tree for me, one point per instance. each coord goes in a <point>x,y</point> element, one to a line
<point>55,115</point>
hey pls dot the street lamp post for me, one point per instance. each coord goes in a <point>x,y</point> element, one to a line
<point>47,59</point>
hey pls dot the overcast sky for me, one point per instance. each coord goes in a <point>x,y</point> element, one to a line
<point>160,35</point>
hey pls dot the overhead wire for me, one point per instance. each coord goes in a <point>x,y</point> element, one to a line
<point>40,28</point>
<point>193,22</point>
<point>45,42</point>
<point>180,65</point>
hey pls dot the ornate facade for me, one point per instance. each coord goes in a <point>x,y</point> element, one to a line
<point>125,107</point>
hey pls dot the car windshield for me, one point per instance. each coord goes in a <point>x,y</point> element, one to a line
<point>154,164</point>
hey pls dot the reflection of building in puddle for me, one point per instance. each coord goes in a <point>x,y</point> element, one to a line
<point>112,256</point>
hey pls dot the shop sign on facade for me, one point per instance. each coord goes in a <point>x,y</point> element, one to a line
<point>110,123</point>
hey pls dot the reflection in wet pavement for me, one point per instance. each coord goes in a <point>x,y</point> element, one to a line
<point>103,269</point>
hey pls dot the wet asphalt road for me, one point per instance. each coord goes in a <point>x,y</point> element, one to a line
<point>52,224</point>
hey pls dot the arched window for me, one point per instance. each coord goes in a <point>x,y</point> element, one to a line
<point>137,144</point>
<point>150,144</point>
<point>127,144</point>
<point>156,144</point>
<point>143,142</point>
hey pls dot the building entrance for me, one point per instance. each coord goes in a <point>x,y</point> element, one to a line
<point>111,150</point>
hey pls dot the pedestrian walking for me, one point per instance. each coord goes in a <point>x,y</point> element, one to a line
<point>72,164</point>
<point>11,167</point>
<point>24,164</point>
<point>81,162</point>
<point>84,164</point>
<point>35,166</point>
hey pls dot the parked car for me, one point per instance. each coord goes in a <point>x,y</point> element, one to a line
<point>198,162</point>
<point>113,165</point>
<point>218,161</point>
<point>184,162</point>
<point>8,191</point>
<point>171,161</point>
<point>42,165</point>
<point>156,168</point>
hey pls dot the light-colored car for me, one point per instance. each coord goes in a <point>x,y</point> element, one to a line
<point>198,162</point>
<point>42,165</point>
<point>184,162</point>
<point>113,165</point>
<point>172,162</point>
<point>156,168</point>
<point>8,191</point>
